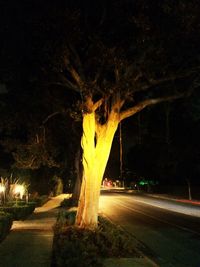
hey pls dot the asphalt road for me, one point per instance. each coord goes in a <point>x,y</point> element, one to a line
<point>171,238</point>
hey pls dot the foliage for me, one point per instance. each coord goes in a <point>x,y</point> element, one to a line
<point>77,247</point>
<point>5,224</point>
<point>67,203</point>
<point>19,212</point>
<point>12,199</point>
<point>39,200</point>
<point>58,185</point>
<point>12,189</point>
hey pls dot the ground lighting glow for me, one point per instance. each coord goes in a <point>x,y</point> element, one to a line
<point>2,188</point>
<point>19,189</point>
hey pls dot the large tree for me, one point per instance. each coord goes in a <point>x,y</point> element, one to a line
<point>119,74</point>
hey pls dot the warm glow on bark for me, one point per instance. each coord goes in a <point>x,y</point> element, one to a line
<point>95,157</point>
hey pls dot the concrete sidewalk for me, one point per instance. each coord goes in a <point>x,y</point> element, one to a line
<point>29,243</point>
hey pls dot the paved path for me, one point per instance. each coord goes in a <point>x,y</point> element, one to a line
<point>29,243</point>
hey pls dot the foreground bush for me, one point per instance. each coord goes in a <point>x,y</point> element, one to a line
<point>19,211</point>
<point>21,203</point>
<point>67,203</point>
<point>76,247</point>
<point>5,224</point>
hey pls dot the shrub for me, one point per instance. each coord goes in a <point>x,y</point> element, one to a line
<point>39,200</point>
<point>65,217</point>
<point>76,247</point>
<point>72,247</point>
<point>18,212</point>
<point>67,203</point>
<point>20,203</point>
<point>5,224</point>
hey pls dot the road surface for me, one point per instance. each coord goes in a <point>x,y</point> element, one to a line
<point>171,238</point>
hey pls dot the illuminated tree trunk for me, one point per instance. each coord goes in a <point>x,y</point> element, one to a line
<point>96,143</point>
<point>77,187</point>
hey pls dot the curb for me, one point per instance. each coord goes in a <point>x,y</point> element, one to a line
<point>148,259</point>
<point>185,201</point>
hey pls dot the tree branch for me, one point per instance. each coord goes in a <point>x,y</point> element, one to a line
<point>60,79</point>
<point>151,82</point>
<point>97,104</point>
<point>24,163</point>
<point>50,116</point>
<point>117,103</point>
<point>68,84</point>
<point>98,129</point>
<point>148,102</point>
<point>76,76</point>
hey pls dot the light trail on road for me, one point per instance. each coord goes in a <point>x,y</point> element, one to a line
<point>118,202</point>
<point>172,238</point>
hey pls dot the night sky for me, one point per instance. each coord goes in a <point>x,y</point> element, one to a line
<point>158,41</point>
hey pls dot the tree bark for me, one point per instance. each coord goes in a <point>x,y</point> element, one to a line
<point>96,150</point>
<point>79,171</point>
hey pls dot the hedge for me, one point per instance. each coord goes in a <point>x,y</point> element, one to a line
<point>74,247</point>
<point>19,212</point>
<point>5,224</point>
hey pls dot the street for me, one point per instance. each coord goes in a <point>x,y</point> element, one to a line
<point>171,238</point>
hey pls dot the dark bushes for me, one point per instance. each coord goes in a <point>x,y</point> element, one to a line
<point>40,200</point>
<point>76,247</point>
<point>19,211</point>
<point>67,203</point>
<point>5,224</point>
